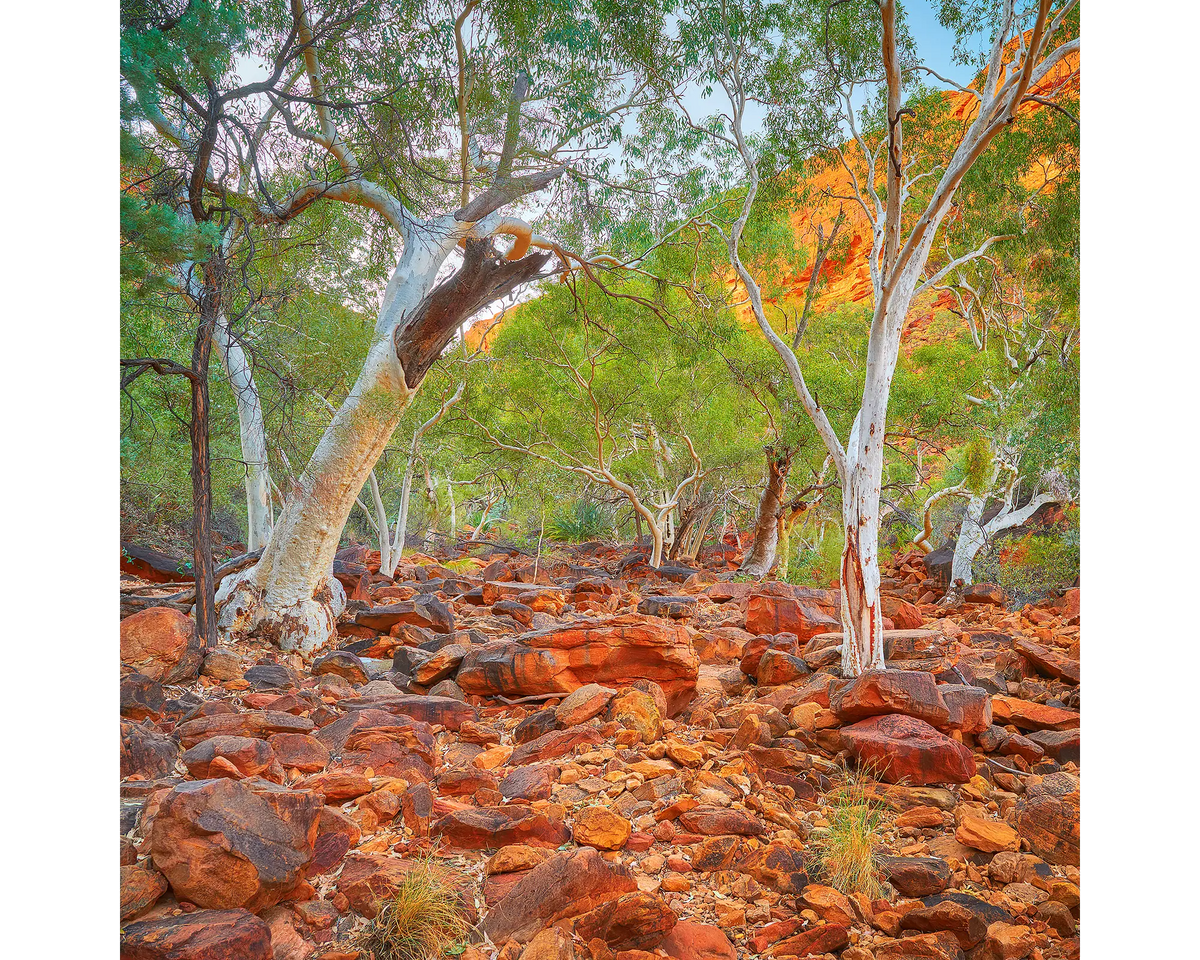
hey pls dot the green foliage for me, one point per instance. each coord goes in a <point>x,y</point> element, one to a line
<point>586,520</point>
<point>1037,566</point>
<point>421,921</point>
<point>977,465</point>
<point>818,564</point>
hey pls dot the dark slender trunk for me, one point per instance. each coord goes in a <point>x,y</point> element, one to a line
<point>761,558</point>
<point>202,558</point>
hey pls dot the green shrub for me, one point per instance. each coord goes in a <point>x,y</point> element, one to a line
<point>584,521</point>
<point>1037,566</point>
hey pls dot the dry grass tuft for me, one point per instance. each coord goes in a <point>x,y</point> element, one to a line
<point>845,855</point>
<point>420,922</point>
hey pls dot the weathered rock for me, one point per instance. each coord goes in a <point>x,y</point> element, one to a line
<point>782,608</point>
<point>776,865</point>
<point>425,611</point>
<point>673,608</point>
<point>964,916</point>
<point>368,879</point>
<point>612,650</point>
<point>146,751</point>
<point>530,782</point>
<point>877,692</point>
<point>222,844</point>
<point>556,743</point>
<point>916,876</point>
<point>599,827</point>
<point>141,886</point>
<point>486,828</point>
<point>990,836</point>
<point>777,667</point>
<point>970,707</point>
<point>638,711</point>
<point>1049,662</point>
<point>1062,745</point>
<point>829,938</point>
<point>923,946</point>
<point>906,749</point>
<point>141,697</point>
<point>301,751</point>
<point>160,642</point>
<point>633,921</point>
<point>341,663</point>
<point>581,705</point>
<point>988,593</point>
<point>1050,824</point>
<point>270,676</point>
<point>222,664</point>
<point>202,935</point>
<point>235,757</point>
<point>257,724</point>
<point>450,713</point>
<point>567,884</point>
<point>722,821</point>
<point>1033,716</point>
<point>441,665</point>
<point>689,940</point>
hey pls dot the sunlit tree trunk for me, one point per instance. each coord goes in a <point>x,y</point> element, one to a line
<point>761,559</point>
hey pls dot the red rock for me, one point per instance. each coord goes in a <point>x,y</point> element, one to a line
<point>970,707</point>
<point>910,750</point>
<point>916,876</point>
<point>567,884</point>
<point>910,692</point>
<point>1028,715</point>
<point>781,608</point>
<point>1050,825</point>
<point>556,743</point>
<point>1049,662</point>
<point>966,917</point>
<point>221,844</point>
<point>304,753</point>
<point>141,886</point>
<point>257,724</point>
<point>925,946</point>
<point>425,611</point>
<point>638,711</point>
<point>465,783</point>
<point>341,663</point>
<point>721,644</point>
<point>588,701</point>
<point>161,643</point>
<point>903,614</point>
<point>689,940</point>
<point>613,651</point>
<point>486,828</point>
<point>829,938</point>
<point>1062,745</point>
<point>450,713</point>
<point>146,751</point>
<point>722,821</point>
<point>777,667</point>
<point>235,757</point>
<point>336,787</point>
<point>988,593</point>
<point>633,921</point>
<point>774,932</point>
<point>531,782</point>
<point>599,827</point>
<point>202,935</point>
<point>776,865</point>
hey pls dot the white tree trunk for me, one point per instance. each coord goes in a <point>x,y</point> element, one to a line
<point>290,597</point>
<point>252,434</point>
<point>402,518</point>
<point>971,538</point>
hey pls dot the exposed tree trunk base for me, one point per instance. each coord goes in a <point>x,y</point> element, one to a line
<point>306,625</point>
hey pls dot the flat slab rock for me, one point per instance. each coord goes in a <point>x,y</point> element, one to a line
<point>614,651</point>
<point>905,749</point>
<point>202,935</point>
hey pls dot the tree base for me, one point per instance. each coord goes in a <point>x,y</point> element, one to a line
<point>305,626</point>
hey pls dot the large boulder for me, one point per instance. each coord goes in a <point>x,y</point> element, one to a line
<point>161,643</point>
<point>488,828</point>
<point>202,935</point>
<point>906,749</point>
<point>567,884</point>
<point>875,692</point>
<point>1048,818</point>
<point>614,650</point>
<point>783,608</point>
<point>146,751</point>
<point>424,611</point>
<point>222,843</point>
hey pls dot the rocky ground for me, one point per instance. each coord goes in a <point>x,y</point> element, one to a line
<point>610,762</point>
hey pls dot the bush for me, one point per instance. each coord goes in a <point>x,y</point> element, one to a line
<point>845,853</point>
<point>585,521</point>
<point>1037,566</point>
<point>817,564</point>
<point>422,920</point>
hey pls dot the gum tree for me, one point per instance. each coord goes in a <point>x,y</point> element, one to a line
<point>812,66</point>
